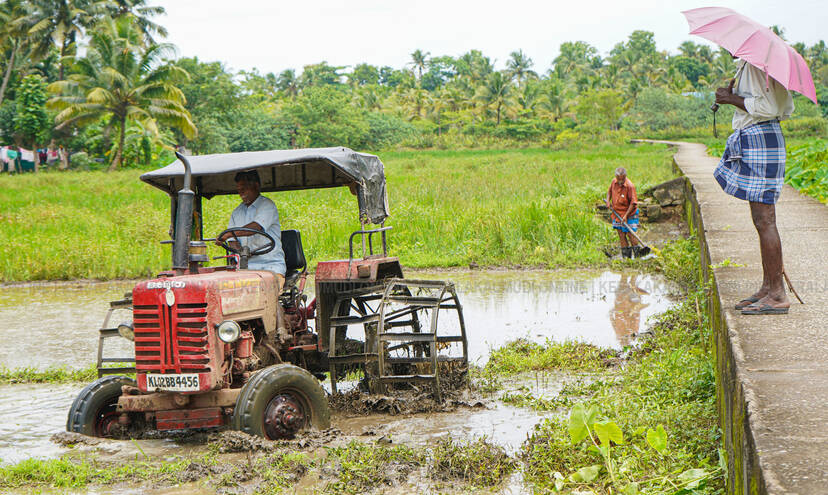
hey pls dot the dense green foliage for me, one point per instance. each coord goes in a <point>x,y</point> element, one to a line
<point>448,208</point>
<point>122,81</point>
<point>440,101</point>
<point>807,168</point>
<point>31,121</point>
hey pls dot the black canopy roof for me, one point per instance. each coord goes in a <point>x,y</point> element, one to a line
<point>284,170</point>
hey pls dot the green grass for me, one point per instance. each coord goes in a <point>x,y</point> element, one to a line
<point>77,473</point>
<point>520,356</point>
<point>448,208</point>
<point>359,467</point>
<point>48,375</point>
<point>477,463</point>
<point>668,382</point>
<point>55,374</point>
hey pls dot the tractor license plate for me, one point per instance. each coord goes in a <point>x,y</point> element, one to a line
<point>173,383</point>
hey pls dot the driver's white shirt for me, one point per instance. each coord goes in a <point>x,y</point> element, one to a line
<point>262,211</point>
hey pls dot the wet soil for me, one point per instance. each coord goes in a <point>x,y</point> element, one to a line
<point>57,325</point>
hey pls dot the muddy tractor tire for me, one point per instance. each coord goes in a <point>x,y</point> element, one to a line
<point>280,401</point>
<point>93,410</point>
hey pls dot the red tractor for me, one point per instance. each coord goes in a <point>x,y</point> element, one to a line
<point>217,346</point>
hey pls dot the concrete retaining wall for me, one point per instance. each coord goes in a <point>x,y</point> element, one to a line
<point>744,474</point>
<point>772,370</point>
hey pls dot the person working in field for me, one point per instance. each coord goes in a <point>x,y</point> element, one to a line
<point>259,213</point>
<point>623,204</point>
<point>752,168</point>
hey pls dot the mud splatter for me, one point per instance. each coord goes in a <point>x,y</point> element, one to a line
<point>231,441</point>
<point>70,439</point>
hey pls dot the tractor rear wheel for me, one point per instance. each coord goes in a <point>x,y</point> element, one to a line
<point>279,401</point>
<point>93,411</point>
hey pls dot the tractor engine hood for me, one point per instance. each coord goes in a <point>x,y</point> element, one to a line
<point>175,321</point>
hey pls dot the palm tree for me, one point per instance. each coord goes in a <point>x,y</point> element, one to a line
<point>689,49</point>
<point>574,57</point>
<point>124,80</point>
<point>288,83</point>
<point>415,101</point>
<point>530,97</point>
<point>520,66</point>
<point>555,98</point>
<point>496,91</point>
<point>418,61</point>
<point>59,23</point>
<point>141,12</point>
<point>14,33</point>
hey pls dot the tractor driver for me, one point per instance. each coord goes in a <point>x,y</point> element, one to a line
<point>259,213</point>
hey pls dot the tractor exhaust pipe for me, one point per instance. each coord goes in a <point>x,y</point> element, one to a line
<point>183,220</point>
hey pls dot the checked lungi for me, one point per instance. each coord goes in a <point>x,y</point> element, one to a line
<point>632,222</point>
<point>752,167</point>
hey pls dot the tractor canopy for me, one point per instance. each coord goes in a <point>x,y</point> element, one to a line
<point>284,170</point>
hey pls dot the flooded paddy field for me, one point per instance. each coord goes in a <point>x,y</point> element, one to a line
<point>56,325</point>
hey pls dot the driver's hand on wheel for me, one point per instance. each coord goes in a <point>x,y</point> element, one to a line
<point>220,239</point>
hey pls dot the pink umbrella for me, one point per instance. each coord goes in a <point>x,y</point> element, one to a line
<point>754,43</point>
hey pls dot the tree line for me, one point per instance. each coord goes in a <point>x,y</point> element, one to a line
<point>126,99</point>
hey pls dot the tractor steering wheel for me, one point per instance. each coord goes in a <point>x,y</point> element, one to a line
<point>262,250</point>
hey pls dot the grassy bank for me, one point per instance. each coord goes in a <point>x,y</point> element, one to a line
<point>448,208</point>
<point>647,427</point>
<point>49,375</point>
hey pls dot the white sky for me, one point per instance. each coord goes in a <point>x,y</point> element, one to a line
<point>273,35</point>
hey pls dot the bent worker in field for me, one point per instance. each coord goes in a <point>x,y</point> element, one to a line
<point>623,204</point>
<point>259,213</point>
<point>752,168</point>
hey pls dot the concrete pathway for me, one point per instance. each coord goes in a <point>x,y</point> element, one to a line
<point>773,370</point>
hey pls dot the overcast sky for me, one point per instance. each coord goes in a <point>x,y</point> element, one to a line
<point>273,35</point>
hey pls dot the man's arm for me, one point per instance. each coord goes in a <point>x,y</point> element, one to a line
<point>726,96</point>
<point>240,233</point>
<point>609,196</point>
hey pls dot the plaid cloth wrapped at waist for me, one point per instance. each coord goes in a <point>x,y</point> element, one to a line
<point>632,222</point>
<point>752,167</point>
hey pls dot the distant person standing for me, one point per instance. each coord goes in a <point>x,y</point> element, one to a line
<point>623,204</point>
<point>752,168</point>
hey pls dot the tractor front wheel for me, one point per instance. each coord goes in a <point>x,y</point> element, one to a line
<point>279,401</point>
<point>93,411</point>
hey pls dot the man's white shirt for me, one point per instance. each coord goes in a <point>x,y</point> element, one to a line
<point>765,98</point>
<point>262,211</point>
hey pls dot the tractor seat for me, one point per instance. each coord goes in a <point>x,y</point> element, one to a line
<point>294,257</point>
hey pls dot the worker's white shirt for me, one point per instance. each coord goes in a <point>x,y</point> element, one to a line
<point>765,99</point>
<point>262,211</point>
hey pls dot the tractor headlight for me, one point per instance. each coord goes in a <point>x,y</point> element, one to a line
<point>229,331</point>
<point>126,330</point>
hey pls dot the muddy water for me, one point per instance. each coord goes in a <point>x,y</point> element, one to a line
<point>57,325</point>
<point>500,423</point>
<point>606,308</point>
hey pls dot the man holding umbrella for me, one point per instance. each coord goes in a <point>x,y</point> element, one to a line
<point>753,165</point>
<point>753,169</point>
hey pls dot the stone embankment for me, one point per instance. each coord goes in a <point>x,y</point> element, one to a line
<point>772,371</point>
